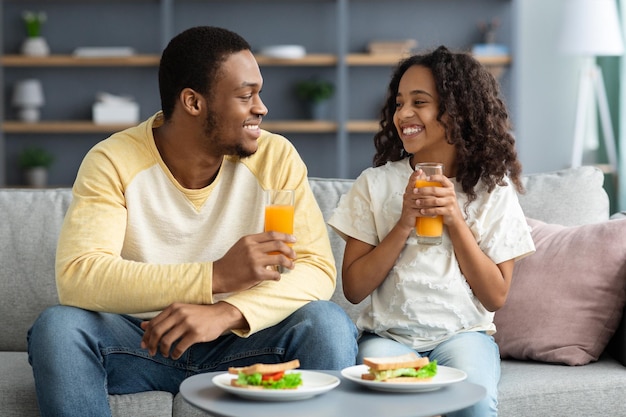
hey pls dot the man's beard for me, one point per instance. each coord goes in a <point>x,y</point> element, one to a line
<point>210,127</point>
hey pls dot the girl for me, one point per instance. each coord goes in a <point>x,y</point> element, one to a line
<point>437,300</point>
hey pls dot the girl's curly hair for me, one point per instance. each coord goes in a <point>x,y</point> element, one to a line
<point>477,122</point>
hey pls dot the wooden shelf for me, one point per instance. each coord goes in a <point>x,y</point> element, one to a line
<point>287,126</point>
<point>494,60</point>
<point>362,126</point>
<point>373,59</point>
<point>153,60</point>
<point>79,126</point>
<point>61,126</point>
<point>300,126</point>
<point>308,60</point>
<point>392,59</point>
<point>72,61</point>
<point>146,60</point>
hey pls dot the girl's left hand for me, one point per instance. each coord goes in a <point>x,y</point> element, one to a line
<point>438,201</point>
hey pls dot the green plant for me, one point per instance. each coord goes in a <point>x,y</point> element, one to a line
<point>34,21</point>
<point>314,90</point>
<point>35,157</point>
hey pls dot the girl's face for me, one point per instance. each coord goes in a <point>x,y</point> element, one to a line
<point>415,118</point>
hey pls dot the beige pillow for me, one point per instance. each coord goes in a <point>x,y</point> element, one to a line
<point>566,299</point>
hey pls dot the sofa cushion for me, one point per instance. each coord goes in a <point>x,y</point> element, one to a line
<point>17,385</point>
<point>539,389</point>
<point>327,192</point>
<point>143,404</point>
<point>550,197</point>
<point>566,300</point>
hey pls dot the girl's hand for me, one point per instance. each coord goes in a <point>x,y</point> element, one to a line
<point>410,209</point>
<point>435,201</point>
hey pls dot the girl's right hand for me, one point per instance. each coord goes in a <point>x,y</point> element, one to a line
<point>410,209</point>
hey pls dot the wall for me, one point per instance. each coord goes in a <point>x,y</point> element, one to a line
<point>545,90</point>
<point>544,87</point>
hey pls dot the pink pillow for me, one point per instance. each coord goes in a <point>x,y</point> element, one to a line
<point>566,299</point>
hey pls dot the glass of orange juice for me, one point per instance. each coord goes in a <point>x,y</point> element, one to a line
<point>279,212</point>
<point>428,229</point>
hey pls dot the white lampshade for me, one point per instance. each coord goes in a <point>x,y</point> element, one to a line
<point>28,93</point>
<point>591,28</point>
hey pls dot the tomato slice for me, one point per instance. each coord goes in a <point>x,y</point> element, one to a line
<point>273,377</point>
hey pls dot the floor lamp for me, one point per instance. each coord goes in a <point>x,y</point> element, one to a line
<point>590,29</point>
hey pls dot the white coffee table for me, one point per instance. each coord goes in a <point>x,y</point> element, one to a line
<point>346,400</point>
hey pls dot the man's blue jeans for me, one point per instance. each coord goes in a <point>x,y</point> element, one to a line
<point>476,353</point>
<point>79,357</point>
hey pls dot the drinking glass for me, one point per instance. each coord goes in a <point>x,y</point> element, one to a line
<point>279,212</point>
<point>428,229</point>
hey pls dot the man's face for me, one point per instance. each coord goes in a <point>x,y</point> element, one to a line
<point>235,108</point>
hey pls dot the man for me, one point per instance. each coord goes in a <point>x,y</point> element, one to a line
<point>163,268</point>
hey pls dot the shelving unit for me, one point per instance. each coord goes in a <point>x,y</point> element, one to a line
<point>342,62</point>
<point>299,126</point>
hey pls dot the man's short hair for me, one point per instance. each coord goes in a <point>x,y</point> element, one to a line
<point>192,59</point>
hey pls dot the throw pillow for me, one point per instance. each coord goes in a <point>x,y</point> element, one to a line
<point>566,300</point>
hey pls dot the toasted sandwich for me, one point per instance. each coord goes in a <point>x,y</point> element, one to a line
<point>403,368</point>
<point>267,376</point>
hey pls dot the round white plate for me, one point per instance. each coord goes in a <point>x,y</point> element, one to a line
<point>313,383</point>
<point>445,376</point>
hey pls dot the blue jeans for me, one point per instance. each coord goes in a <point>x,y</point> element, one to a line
<point>476,353</point>
<point>79,357</point>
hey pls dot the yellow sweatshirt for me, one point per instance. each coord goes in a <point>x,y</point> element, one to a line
<point>134,240</point>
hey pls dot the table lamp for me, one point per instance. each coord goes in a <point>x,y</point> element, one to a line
<point>590,29</point>
<point>28,98</point>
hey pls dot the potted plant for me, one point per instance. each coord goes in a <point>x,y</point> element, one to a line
<point>34,44</point>
<point>315,93</point>
<point>34,163</point>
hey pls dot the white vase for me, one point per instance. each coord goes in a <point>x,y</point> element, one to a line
<point>36,177</point>
<point>35,46</point>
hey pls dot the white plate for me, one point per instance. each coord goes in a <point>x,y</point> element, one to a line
<point>313,383</point>
<point>445,376</point>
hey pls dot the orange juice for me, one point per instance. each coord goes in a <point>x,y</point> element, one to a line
<point>428,226</point>
<point>279,218</point>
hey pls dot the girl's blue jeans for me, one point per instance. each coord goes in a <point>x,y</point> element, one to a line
<point>475,353</point>
<point>79,357</point>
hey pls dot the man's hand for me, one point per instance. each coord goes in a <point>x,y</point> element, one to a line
<point>179,326</point>
<point>252,260</point>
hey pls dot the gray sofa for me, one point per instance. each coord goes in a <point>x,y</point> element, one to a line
<point>31,220</point>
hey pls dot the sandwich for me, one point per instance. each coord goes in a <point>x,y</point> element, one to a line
<point>403,368</point>
<point>267,376</point>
